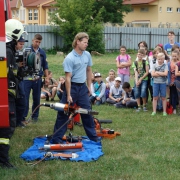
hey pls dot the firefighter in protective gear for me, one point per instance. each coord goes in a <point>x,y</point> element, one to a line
<point>14,30</point>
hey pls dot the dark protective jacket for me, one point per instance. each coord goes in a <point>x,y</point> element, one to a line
<point>12,69</point>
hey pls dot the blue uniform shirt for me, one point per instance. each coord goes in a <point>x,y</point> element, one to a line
<point>77,65</point>
<point>168,47</point>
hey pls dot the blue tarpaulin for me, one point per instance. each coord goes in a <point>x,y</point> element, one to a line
<point>91,151</point>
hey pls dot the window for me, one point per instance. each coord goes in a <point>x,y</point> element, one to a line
<point>22,15</point>
<point>169,9</point>
<point>178,10</point>
<point>51,10</point>
<point>160,9</point>
<point>144,9</point>
<point>13,13</point>
<point>17,13</point>
<point>35,14</point>
<point>30,14</point>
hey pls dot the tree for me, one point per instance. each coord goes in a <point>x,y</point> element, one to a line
<point>75,16</point>
<point>113,10</point>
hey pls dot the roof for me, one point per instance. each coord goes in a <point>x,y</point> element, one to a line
<point>13,3</point>
<point>138,1</point>
<point>49,4</point>
<point>26,2</point>
<point>34,3</point>
<point>30,3</point>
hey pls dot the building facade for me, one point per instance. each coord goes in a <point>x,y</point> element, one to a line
<point>32,12</point>
<point>153,13</point>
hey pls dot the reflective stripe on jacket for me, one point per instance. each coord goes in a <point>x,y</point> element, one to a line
<point>4,141</point>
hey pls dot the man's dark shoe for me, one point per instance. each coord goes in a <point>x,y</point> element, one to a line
<point>22,125</point>
<point>7,165</point>
<point>78,123</point>
<point>52,99</point>
<point>34,119</point>
<point>47,98</point>
<point>98,139</point>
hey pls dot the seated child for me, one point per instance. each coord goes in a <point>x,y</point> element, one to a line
<point>93,81</point>
<point>116,92</point>
<point>159,73</point>
<point>61,87</point>
<point>98,90</point>
<point>110,81</point>
<point>49,88</point>
<point>129,100</point>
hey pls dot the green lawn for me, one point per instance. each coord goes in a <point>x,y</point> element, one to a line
<point>148,147</point>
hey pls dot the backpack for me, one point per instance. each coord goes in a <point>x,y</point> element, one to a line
<point>126,57</point>
<point>144,65</point>
<point>169,108</point>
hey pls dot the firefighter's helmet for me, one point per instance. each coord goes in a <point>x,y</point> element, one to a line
<point>14,29</point>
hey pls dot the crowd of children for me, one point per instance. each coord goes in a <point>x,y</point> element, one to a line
<point>156,75</point>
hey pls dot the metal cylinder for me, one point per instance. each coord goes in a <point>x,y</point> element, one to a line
<point>57,106</point>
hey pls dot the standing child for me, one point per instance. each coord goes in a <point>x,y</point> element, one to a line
<point>141,69</point>
<point>60,87</point>
<point>123,63</point>
<point>177,80</point>
<point>171,79</point>
<point>98,91</point>
<point>159,73</point>
<point>110,81</point>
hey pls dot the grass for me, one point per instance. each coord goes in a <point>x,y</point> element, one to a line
<point>148,147</point>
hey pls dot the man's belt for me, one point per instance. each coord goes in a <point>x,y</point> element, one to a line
<point>78,84</point>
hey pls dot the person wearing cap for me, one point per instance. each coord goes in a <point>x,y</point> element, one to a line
<point>77,68</point>
<point>98,90</point>
<point>162,48</point>
<point>20,43</point>
<point>20,100</point>
<point>116,92</point>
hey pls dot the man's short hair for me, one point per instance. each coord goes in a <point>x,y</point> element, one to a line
<point>126,85</point>
<point>171,32</point>
<point>38,37</point>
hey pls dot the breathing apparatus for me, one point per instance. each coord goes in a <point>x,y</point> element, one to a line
<point>31,63</point>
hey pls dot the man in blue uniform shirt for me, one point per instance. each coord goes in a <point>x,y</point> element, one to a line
<point>35,84</point>
<point>168,46</point>
<point>77,68</point>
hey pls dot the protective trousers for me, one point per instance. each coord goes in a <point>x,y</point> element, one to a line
<point>79,94</point>
<point>20,103</point>
<point>6,133</point>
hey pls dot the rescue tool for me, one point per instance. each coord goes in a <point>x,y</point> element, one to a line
<point>50,155</point>
<point>70,109</point>
<point>62,147</point>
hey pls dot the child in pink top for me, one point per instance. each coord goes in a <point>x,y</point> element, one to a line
<point>123,63</point>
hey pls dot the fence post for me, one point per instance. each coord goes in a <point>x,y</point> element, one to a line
<point>150,40</point>
<point>120,39</point>
<point>178,37</point>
